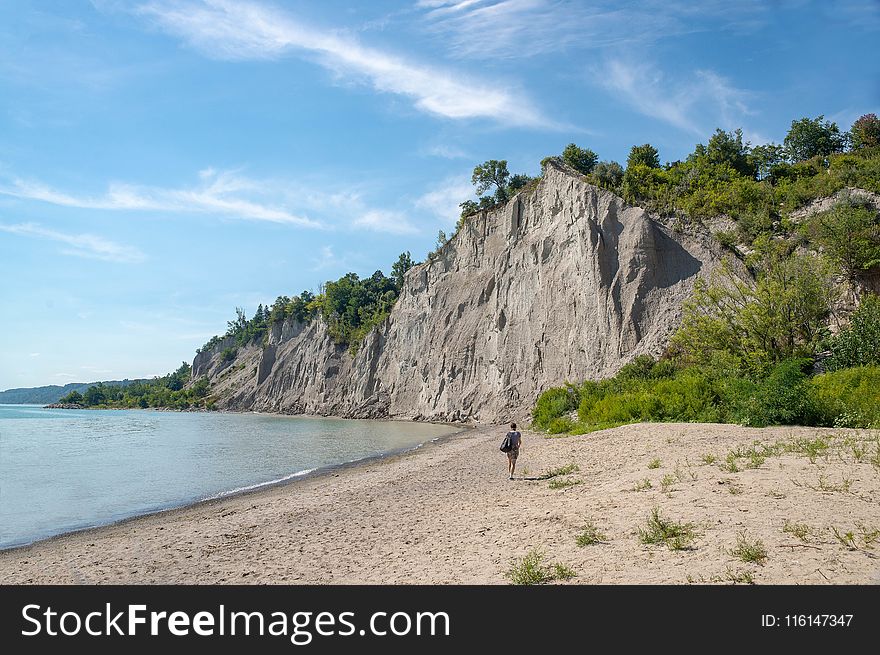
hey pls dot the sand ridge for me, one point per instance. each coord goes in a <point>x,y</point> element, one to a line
<point>446,513</point>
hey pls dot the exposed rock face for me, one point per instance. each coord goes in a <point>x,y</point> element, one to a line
<point>565,283</point>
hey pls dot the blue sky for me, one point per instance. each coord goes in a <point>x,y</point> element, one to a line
<point>162,162</point>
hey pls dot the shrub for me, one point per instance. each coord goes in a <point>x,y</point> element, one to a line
<point>847,398</point>
<point>780,399</point>
<point>859,343</point>
<point>229,354</point>
<point>553,404</point>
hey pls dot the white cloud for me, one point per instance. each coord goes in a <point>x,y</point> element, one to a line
<point>446,151</point>
<point>524,28</point>
<point>80,245</point>
<point>225,193</point>
<point>247,30</point>
<point>382,220</point>
<point>688,105</point>
<point>444,200</point>
<point>327,260</point>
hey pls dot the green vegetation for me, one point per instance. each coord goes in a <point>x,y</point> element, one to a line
<point>165,391</point>
<point>667,391</point>
<point>531,570</point>
<point>654,464</point>
<point>750,551</point>
<point>800,530</point>
<point>350,306</point>
<point>562,470</point>
<point>590,535</point>
<point>563,483</point>
<point>662,531</point>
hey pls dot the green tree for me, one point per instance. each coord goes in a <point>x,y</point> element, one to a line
<point>469,207</point>
<point>74,397</point>
<point>760,322</point>
<point>865,132</point>
<point>644,155</point>
<point>813,137</point>
<point>517,182</point>
<point>728,148</point>
<point>491,173</point>
<point>400,267</point>
<point>858,344</point>
<point>765,157</point>
<point>582,160</point>
<point>609,174</point>
<point>850,234</point>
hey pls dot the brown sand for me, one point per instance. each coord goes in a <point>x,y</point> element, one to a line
<point>447,513</point>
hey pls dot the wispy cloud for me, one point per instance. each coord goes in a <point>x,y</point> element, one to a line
<point>685,104</point>
<point>89,246</point>
<point>248,30</point>
<point>225,193</point>
<point>524,28</point>
<point>381,220</point>
<point>445,150</point>
<point>443,201</point>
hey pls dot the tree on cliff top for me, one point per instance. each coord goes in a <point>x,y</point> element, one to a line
<point>492,172</point>
<point>646,155</point>
<point>809,137</point>
<point>583,160</point>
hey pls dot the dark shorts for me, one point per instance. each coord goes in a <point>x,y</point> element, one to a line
<point>513,454</point>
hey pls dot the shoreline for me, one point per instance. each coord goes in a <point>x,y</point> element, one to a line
<point>445,513</point>
<point>290,479</point>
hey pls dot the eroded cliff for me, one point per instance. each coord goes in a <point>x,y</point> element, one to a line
<point>565,282</point>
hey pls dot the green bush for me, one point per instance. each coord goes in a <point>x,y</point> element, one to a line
<point>847,398</point>
<point>779,399</point>
<point>859,343</point>
<point>553,404</point>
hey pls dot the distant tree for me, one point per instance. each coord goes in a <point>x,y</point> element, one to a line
<point>582,160</point>
<point>765,157</point>
<point>491,173</point>
<point>728,148</point>
<point>865,132</point>
<point>609,174</point>
<point>74,397</point>
<point>239,324</point>
<point>95,395</point>
<point>646,155</point>
<point>811,137</point>
<point>400,267</point>
<point>442,239</point>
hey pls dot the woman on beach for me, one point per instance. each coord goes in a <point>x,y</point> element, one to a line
<point>515,443</point>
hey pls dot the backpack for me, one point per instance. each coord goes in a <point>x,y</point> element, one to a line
<point>506,446</point>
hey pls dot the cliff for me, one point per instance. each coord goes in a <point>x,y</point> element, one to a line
<point>564,282</point>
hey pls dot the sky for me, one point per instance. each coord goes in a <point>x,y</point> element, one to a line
<point>163,162</point>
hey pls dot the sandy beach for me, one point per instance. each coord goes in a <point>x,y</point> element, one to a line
<point>446,513</point>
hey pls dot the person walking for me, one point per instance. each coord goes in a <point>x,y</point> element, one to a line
<point>515,444</point>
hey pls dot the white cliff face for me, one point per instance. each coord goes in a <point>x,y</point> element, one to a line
<point>562,284</point>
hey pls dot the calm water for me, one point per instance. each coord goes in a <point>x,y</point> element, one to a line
<point>62,470</point>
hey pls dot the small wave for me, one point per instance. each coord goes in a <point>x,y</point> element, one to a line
<point>251,487</point>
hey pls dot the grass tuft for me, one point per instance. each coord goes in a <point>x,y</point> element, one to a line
<point>654,464</point>
<point>590,535</point>
<point>532,570</point>
<point>749,551</point>
<point>672,534</point>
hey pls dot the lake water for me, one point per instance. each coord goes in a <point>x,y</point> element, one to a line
<point>63,470</point>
